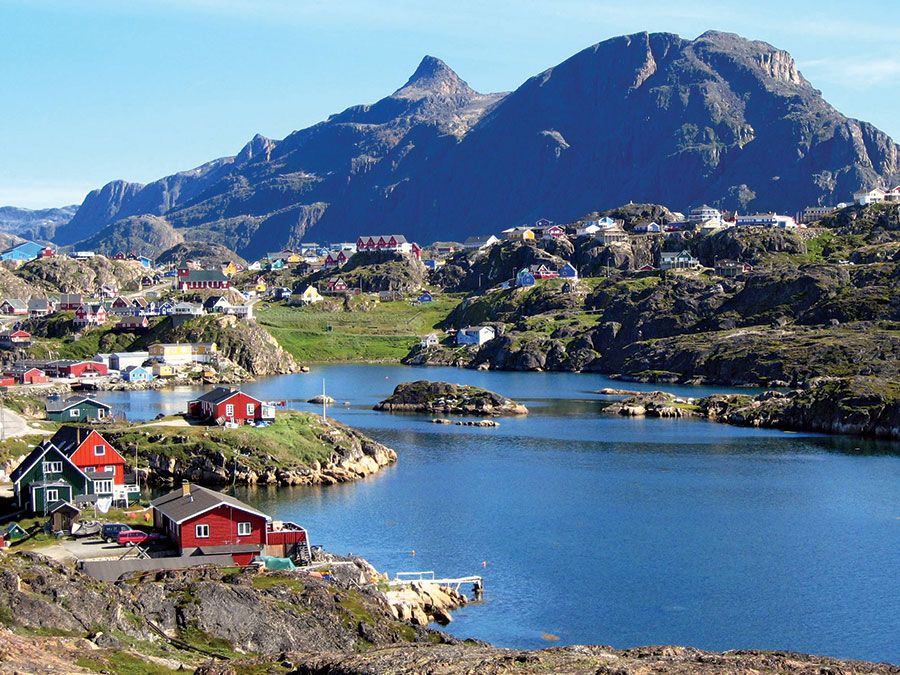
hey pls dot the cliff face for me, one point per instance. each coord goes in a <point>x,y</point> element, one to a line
<point>645,117</point>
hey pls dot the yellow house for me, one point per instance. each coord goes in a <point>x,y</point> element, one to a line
<point>163,370</point>
<point>175,354</point>
<point>293,258</point>
<point>230,269</point>
<point>310,296</point>
<point>519,233</point>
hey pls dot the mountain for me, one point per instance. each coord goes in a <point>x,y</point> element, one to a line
<point>649,117</point>
<point>34,223</point>
<point>143,235</point>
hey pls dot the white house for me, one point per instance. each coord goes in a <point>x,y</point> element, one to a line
<point>430,340</point>
<point>479,243</point>
<point>310,296</point>
<point>241,310</point>
<point>681,260</point>
<point>475,335</point>
<point>703,214</point>
<point>864,197</point>
<point>187,309</point>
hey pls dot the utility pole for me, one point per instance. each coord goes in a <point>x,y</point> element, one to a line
<point>324,416</point>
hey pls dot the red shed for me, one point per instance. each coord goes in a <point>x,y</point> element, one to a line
<point>83,369</point>
<point>201,521</point>
<point>229,405</point>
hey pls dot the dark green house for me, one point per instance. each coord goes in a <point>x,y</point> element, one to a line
<point>47,476</point>
<point>77,409</point>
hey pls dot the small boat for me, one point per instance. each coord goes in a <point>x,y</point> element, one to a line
<point>85,529</point>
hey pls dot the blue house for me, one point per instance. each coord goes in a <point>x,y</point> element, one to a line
<point>524,278</point>
<point>27,250</point>
<point>567,271</point>
<point>145,261</point>
<point>137,374</point>
<point>425,297</point>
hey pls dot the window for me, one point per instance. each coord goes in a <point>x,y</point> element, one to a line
<point>251,409</point>
<point>202,531</point>
<point>101,413</point>
<point>99,450</point>
<point>229,410</point>
<point>244,529</point>
<point>52,496</point>
<point>74,412</point>
<point>102,487</point>
<point>52,467</point>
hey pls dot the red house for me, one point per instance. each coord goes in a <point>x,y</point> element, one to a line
<point>229,405</point>
<point>93,314</point>
<point>81,368</point>
<point>202,280</point>
<point>336,286</point>
<point>93,454</point>
<point>201,521</point>
<point>26,375</point>
<point>553,232</point>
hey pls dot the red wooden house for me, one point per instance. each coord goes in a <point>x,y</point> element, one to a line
<point>336,286</point>
<point>66,368</point>
<point>543,272</point>
<point>93,314</point>
<point>26,375</point>
<point>553,232</point>
<point>94,455</point>
<point>335,259</point>
<point>201,521</point>
<point>229,405</point>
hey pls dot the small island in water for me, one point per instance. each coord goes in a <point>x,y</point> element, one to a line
<point>423,396</point>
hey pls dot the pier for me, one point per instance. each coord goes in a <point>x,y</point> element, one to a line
<point>403,578</point>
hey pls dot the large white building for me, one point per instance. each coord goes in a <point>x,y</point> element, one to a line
<point>765,220</point>
<point>705,213</point>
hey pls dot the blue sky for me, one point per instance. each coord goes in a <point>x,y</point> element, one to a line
<point>100,89</point>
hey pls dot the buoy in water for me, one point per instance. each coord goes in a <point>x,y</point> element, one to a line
<point>484,563</point>
<point>413,552</point>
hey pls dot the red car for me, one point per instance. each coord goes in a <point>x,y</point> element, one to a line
<point>134,537</point>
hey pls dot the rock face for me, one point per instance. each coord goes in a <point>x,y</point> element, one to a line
<point>62,274</point>
<point>719,119</point>
<point>861,406</point>
<point>652,404</point>
<point>144,235</point>
<point>34,223</point>
<point>452,399</point>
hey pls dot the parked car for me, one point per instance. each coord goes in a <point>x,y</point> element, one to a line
<point>135,537</point>
<point>110,531</point>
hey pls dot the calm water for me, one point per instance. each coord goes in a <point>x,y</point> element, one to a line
<point>600,529</point>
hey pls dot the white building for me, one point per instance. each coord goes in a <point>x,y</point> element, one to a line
<point>430,340</point>
<point>187,309</point>
<point>865,197</point>
<point>704,214</point>
<point>765,220</point>
<point>475,335</point>
<point>480,242</point>
<point>122,360</point>
<point>680,260</point>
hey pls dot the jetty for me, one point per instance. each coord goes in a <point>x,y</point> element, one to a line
<point>405,578</point>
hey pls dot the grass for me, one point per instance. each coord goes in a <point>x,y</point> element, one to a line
<point>119,662</point>
<point>278,581</point>
<point>370,331</point>
<point>291,440</point>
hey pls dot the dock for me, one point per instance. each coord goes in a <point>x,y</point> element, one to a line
<point>403,578</point>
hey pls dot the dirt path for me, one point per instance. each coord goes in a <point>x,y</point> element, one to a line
<point>13,425</point>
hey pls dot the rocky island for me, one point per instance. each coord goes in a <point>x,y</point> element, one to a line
<point>451,399</point>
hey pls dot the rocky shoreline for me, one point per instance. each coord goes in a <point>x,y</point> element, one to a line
<point>424,396</point>
<point>859,406</point>
<point>340,619</point>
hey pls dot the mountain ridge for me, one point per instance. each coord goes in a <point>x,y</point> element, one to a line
<point>648,117</point>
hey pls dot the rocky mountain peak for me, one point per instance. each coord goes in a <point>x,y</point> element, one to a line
<point>433,76</point>
<point>258,146</point>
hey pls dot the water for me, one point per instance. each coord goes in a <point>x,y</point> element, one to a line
<point>601,529</point>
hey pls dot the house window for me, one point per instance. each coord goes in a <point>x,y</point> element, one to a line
<point>202,531</point>
<point>102,487</point>
<point>52,467</point>
<point>229,410</point>
<point>74,412</point>
<point>51,496</point>
<point>101,413</point>
<point>99,450</point>
<point>251,409</point>
<point>244,529</point>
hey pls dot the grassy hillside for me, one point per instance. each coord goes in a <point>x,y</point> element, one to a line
<point>367,331</point>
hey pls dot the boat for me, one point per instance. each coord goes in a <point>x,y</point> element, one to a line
<point>85,529</point>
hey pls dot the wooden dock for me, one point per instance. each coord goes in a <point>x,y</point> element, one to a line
<point>403,578</point>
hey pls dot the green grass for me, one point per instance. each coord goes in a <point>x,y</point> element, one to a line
<point>372,331</point>
<point>278,581</point>
<point>292,440</point>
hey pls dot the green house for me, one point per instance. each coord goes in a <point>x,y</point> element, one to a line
<point>47,476</point>
<point>77,409</point>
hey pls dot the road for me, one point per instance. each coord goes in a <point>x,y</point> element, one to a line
<point>13,425</point>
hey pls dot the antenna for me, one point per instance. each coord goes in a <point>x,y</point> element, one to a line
<point>324,418</point>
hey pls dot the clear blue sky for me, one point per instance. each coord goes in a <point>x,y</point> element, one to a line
<point>94,90</point>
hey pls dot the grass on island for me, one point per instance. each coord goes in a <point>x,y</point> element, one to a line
<point>291,440</point>
<point>372,331</point>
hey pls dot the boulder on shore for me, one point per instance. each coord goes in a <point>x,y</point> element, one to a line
<point>453,399</point>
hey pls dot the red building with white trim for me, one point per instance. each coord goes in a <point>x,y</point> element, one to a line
<point>229,405</point>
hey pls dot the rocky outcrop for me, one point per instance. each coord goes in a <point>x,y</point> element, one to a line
<point>652,404</point>
<point>310,452</point>
<point>424,602</point>
<point>860,406</point>
<point>61,274</point>
<point>453,399</point>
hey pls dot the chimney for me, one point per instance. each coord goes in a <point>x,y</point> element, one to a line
<point>185,489</point>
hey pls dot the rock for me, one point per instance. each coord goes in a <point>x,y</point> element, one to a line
<point>320,399</point>
<point>428,397</point>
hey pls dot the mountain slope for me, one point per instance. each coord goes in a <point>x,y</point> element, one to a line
<point>143,235</point>
<point>34,223</point>
<point>646,117</point>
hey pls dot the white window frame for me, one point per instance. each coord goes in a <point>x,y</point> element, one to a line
<point>245,528</point>
<point>229,410</point>
<point>103,487</point>
<point>101,448</point>
<point>52,467</point>
<point>251,409</point>
<point>74,412</point>
<point>201,528</point>
<point>51,495</point>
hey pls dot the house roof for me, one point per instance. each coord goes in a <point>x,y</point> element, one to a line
<point>16,303</point>
<point>205,275</point>
<point>69,438</point>
<point>178,507</point>
<point>65,404</point>
<point>63,505</point>
<point>35,456</point>
<point>220,394</point>
<point>39,303</point>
